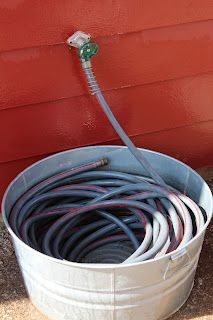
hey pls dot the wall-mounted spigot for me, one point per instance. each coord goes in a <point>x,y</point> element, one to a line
<point>86,48</point>
<point>78,38</point>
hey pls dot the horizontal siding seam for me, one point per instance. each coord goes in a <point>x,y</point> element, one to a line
<point>86,94</point>
<point>110,35</point>
<point>111,140</point>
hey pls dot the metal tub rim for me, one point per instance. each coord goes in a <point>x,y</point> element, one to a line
<point>93,265</point>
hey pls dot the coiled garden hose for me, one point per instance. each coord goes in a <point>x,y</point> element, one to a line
<point>86,214</point>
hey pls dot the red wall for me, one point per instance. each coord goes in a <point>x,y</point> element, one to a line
<point>155,67</point>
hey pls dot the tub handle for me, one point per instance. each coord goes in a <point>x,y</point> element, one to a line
<point>177,261</point>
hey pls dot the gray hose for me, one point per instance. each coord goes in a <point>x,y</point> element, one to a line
<point>85,214</point>
<point>93,85</point>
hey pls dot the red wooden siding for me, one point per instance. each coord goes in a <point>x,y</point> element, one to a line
<point>38,22</point>
<point>48,127</point>
<point>185,139</point>
<point>155,65</point>
<point>36,75</point>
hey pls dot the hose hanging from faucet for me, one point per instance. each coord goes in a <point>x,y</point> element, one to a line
<point>95,90</point>
<point>86,214</point>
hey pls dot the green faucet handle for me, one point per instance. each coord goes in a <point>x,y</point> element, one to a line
<point>88,50</point>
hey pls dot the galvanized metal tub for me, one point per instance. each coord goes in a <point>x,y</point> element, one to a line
<point>149,290</point>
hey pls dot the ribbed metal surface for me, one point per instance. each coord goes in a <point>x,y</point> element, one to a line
<point>149,290</point>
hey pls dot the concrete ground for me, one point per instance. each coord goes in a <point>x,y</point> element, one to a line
<point>14,304</point>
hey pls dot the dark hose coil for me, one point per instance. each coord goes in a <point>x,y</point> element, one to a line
<point>89,215</point>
